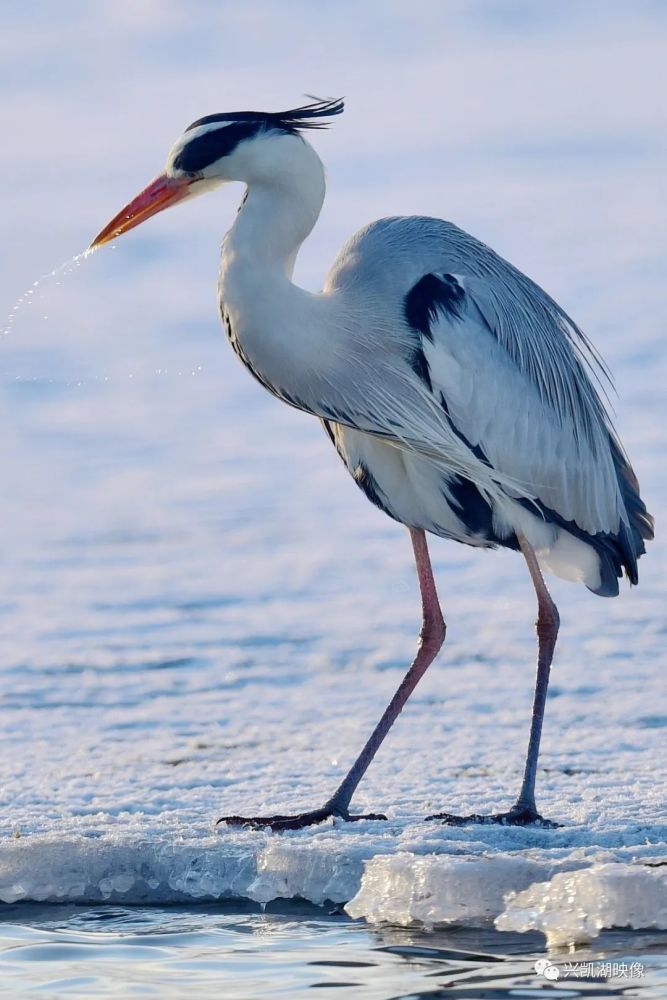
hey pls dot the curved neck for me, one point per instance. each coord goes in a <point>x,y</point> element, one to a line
<point>278,212</point>
<point>275,327</point>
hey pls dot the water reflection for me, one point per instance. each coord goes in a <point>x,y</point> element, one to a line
<point>291,949</point>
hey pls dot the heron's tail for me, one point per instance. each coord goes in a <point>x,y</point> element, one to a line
<point>617,551</point>
<point>639,527</point>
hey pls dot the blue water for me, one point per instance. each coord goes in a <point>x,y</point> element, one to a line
<point>290,951</point>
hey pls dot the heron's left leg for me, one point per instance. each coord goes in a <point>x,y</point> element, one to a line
<point>524,811</point>
<point>431,639</point>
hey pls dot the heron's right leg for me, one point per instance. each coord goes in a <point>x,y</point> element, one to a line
<point>524,810</point>
<point>431,639</point>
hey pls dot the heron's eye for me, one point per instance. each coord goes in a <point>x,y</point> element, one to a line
<point>189,175</point>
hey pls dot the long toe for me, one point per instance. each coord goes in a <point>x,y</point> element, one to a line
<point>513,817</point>
<point>296,822</point>
<point>451,819</point>
<point>355,819</point>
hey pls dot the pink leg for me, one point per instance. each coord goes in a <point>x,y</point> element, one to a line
<point>546,626</point>
<point>431,639</point>
<point>524,811</point>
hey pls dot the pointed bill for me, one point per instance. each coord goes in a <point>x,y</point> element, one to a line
<point>159,194</point>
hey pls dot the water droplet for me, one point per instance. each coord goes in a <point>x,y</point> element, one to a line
<point>28,297</point>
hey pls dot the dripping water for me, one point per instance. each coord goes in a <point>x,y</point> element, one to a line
<point>31,295</point>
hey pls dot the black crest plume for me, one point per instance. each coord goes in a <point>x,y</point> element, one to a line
<point>236,127</point>
<point>308,116</point>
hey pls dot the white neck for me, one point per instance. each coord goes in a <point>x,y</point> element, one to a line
<point>273,324</point>
<point>282,204</point>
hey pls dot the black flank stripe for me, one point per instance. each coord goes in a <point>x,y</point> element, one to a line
<point>366,481</point>
<point>419,365</point>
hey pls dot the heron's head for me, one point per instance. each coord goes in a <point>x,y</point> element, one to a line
<point>239,146</point>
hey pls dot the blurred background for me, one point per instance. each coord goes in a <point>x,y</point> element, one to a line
<point>189,574</point>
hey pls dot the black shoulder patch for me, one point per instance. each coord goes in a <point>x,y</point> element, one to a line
<point>205,149</point>
<point>432,293</point>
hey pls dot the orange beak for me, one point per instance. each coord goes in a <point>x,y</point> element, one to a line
<point>159,194</point>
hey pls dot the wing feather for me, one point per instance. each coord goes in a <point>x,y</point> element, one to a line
<point>521,383</point>
<point>500,410</point>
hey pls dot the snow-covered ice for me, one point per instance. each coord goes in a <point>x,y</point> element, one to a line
<point>405,888</point>
<point>201,614</point>
<point>573,907</point>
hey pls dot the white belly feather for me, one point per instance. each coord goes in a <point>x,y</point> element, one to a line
<point>414,492</point>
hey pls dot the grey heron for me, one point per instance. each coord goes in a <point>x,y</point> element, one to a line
<point>462,399</point>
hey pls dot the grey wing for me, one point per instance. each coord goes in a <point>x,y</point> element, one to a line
<point>564,459</point>
<point>503,357</point>
<point>512,375</point>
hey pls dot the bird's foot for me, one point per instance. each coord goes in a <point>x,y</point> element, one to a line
<point>298,821</point>
<point>516,816</point>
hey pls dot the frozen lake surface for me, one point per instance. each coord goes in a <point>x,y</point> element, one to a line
<point>201,614</point>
